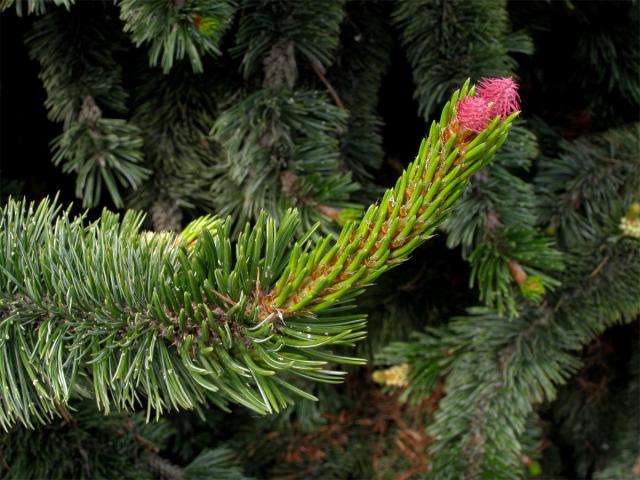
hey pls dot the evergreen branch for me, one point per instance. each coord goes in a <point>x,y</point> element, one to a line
<point>175,112</point>
<point>179,27</point>
<point>311,26</point>
<point>586,183</point>
<point>218,463</point>
<point>172,322</point>
<point>82,445</point>
<point>606,64</point>
<point>407,215</point>
<point>497,370</point>
<point>505,368</point>
<point>448,41</point>
<point>77,59</point>
<point>280,142</point>
<point>495,223</point>
<point>83,80</point>
<point>361,61</point>
<point>101,151</point>
<point>281,151</point>
<point>37,7</point>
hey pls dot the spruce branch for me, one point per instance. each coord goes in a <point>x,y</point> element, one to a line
<point>173,321</point>
<point>495,222</point>
<point>605,61</point>
<point>497,370</point>
<point>104,151</point>
<point>584,185</point>
<point>83,445</point>
<point>498,376</point>
<point>281,142</point>
<point>77,57</point>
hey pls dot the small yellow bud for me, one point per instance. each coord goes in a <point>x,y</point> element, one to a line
<point>532,287</point>
<point>396,376</point>
<point>629,227</point>
<point>630,224</point>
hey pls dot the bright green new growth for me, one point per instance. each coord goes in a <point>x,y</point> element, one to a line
<point>177,321</point>
<point>407,215</point>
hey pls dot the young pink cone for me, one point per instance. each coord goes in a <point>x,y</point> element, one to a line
<point>501,94</point>
<point>473,114</point>
<point>494,97</point>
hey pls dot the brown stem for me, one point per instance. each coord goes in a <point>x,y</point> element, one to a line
<point>332,91</point>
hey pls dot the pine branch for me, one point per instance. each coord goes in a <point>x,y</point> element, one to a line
<point>407,215</point>
<point>624,458</point>
<point>175,112</point>
<point>496,370</point>
<point>281,151</point>
<point>312,28</point>
<point>102,152</point>
<point>448,41</point>
<point>179,28</point>
<point>84,445</point>
<point>495,222</point>
<point>218,463</point>
<point>83,81</point>
<point>606,59</point>
<point>76,51</point>
<point>173,322</point>
<point>362,59</point>
<point>496,225</point>
<point>280,143</point>
<point>587,182</point>
<point>37,7</point>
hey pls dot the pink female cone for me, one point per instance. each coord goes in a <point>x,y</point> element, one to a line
<point>501,94</point>
<point>494,97</point>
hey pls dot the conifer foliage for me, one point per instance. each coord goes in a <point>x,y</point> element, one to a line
<point>250,290</point>
<point>210,323</point>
